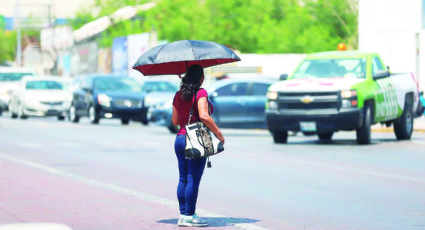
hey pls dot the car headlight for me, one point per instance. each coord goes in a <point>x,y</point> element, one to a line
<point>104,100</point>
<point>349,98</point>
<point>348,93</point>
<point>272,95</point>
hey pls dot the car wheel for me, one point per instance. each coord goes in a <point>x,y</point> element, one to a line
<point>144,121</point>
<point>125,121</point>
<point>13,114</point>
<point>21,113</point>
<point>403,127</point>
<point>93,115</point>
<point>325,136</point>
<point>61,118</point>
<point>73,117</point>
<point>363,133</point>
<point>280,137</point>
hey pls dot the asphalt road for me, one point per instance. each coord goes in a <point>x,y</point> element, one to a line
<point>109,176</point>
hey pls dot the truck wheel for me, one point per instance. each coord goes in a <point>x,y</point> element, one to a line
<point>403,127</point>
<point>280,137</point>
<point>325,136</point>
<point>364,133</point>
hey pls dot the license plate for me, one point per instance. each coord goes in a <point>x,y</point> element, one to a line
<point>308,126</point>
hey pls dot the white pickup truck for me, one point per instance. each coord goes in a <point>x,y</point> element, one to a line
<point>342,90</point>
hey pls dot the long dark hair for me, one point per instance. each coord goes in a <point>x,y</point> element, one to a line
<point>191,82</point>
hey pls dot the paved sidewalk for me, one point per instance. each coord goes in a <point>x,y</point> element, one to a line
<point>418,126</point>
<point>57,200</point>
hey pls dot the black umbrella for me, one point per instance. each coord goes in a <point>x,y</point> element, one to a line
<point>176,57</point>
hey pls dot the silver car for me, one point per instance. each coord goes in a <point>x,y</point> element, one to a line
<point>41,96</point>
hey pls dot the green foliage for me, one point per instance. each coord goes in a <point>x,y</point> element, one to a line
<point>251,26</point>
<point>7,45</point>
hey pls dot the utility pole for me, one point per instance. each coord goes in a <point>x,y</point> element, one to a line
<point>18,27</point>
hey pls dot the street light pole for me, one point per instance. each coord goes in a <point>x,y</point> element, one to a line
<point>18,27</point>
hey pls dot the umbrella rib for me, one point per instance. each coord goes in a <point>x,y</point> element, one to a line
<point>159,51</point>
<point>193,51</point>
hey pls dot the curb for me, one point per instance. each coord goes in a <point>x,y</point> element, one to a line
<point>390,129</point>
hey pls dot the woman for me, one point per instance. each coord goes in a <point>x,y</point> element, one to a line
<point>190,171</point>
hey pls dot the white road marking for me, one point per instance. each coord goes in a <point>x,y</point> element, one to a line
<point>140,195</point>
<point>29,144</point>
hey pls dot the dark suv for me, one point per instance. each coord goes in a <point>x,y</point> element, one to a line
<point>108,96</point>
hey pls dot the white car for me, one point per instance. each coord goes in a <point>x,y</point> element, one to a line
<point>42,96</point>
<point>9,81</point>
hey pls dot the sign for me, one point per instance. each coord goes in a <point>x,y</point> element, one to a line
<point>84,58</point>
<point>137,44</point>
<point>119,55</point>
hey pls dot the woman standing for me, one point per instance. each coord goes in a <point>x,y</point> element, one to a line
<point>190,171</point>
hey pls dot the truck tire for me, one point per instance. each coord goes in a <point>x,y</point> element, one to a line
<point>325,136</point>
<point>403,126</point>
<point>280,137</point>
<point>363,133</point>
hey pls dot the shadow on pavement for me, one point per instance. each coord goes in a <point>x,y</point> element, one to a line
<point>217,221</point>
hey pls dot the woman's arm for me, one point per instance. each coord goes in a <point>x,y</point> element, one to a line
<point>205,117</point>
<point>175,116</point>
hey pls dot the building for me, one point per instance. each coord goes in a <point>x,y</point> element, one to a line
<point>395,30</point>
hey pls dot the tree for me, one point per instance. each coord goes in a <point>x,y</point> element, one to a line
<point>7,45</point>
<point>251,26</point>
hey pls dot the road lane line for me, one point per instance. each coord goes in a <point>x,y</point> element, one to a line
<point>29,144</point>
<point>241,223</point>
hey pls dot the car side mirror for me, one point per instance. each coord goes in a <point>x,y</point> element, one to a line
<point>381,74</point>
<point>283,77</point>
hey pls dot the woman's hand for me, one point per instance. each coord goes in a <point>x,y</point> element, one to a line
<point>221,138</point>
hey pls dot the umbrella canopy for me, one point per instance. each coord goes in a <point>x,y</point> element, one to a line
<point>176,57</point>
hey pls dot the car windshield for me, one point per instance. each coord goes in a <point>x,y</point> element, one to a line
<point>117,85</point>
<point>12,76</point>
<point>159,86</point>
<point>327,68</point>
<point>46,85</point>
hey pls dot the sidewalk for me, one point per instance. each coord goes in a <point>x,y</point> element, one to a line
<point>418,126</point>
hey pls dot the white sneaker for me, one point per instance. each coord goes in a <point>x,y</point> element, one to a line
<point>181,220</point>
<point>193,221</point>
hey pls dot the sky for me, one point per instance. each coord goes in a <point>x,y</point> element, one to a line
<point>60,8</point>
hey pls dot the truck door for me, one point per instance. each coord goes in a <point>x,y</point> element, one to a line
<point>386,99</point>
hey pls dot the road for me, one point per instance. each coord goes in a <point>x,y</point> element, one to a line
<point>109,176</point>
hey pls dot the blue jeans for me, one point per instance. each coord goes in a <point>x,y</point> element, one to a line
<point>190,174</point>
